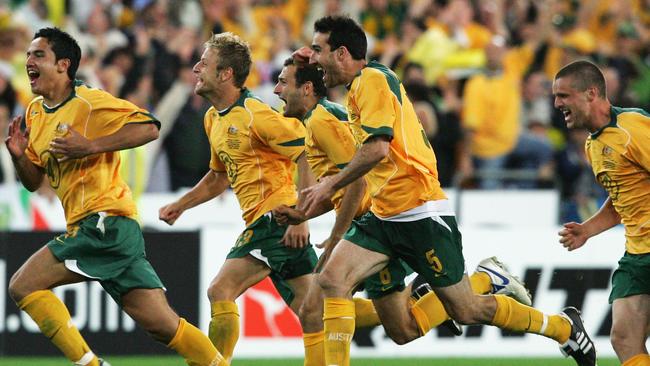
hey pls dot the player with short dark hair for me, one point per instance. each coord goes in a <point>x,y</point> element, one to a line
<point>330,146</point>
<point>410,217</point>
<point>73,136</point>
<point>618,150</point>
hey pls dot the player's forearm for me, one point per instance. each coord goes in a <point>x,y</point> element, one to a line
<point>210,186</point>
<point>604,219</point>
<point>349,206</point>
<point>30,175</point>
<point>305,175</point>
<point>129,136</point>
<point>368,155</point>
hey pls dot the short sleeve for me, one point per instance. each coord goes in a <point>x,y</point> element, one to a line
<point>378,104</point>
<point>334,138</point>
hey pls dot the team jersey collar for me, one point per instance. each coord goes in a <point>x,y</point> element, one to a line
<point>348,86</point>
<point>613,113</point>
<point>321,101</point>
<point>73,94</point>
<point>245,93</point>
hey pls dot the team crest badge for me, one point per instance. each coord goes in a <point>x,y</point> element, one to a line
<point>232,130</point>
<point>607,150</point>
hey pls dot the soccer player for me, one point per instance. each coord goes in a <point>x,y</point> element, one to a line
<point>329,146</point>
<point>253,150</point>
<point>619,152</point>
<point>410,217</point>
<point>73,136</point>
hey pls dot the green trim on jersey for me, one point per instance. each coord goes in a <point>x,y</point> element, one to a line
<point>47,109</point>
<point>391,78</point>
<point>245,93</point>
<point>335,109</point>
<point>296,142</point>
<point>614,112</point>
<point>342,166</point>
<point>378,131</point>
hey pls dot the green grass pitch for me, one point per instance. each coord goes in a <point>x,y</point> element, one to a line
<point>176,361</point>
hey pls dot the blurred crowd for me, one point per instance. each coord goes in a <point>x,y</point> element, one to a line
<point>478,72</point>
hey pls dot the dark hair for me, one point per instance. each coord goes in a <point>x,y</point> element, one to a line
<point>343,31</point>
<point>308,73</point>
<point>584,75</point>
<point>234,53</point>
<point>63,46</point>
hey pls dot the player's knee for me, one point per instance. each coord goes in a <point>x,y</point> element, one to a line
<point>218,292</point>
<point>161,327</point>
<point>309,315</point>
<point>16,289</point>
<point>329,282</point>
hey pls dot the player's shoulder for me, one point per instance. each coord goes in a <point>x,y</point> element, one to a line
<point>328,111</point>
<point>376,76</point>
<point>633,121</point>
<point>90,94</point>
<point>626,125</point>
<point>376,71</point>
<point>631,115</point>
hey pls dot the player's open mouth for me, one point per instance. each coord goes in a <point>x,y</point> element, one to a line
<point>33,76</point>
<point>567,114</point>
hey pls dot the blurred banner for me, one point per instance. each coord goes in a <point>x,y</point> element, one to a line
<point>188,261</point>
<point>107,329</point>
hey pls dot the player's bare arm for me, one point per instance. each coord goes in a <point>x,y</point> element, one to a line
<point>575,235</point>
<point>210,186</point>
<point>74,145</point>
<point>297,235</point>
<point>17,140</point>
<point>349,205</point>
<point>374,150</point>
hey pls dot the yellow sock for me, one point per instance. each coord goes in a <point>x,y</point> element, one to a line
<point>338,317</point>
<point>314,348</point>
<point>517,317</point>
<point>224,327</point>
<point>428,312</point>
<point>195,347</point>
<point>642,359</point>
<point>365,313</point>
<point>480,282</point>
<point>54,321</point>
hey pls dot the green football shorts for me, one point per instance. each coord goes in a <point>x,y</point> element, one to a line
<point>109,249</point>
<point>632,277</point>
<point>261,240</point>
<point>431,246</point>
<point>388,280</point>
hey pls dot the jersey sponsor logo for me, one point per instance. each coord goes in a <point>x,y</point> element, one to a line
<point>266,314</point>
<point>52,168</point>
<point>231,166</point>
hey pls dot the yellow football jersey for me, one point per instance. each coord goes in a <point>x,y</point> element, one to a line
<point>92,184</point>
<point>256,146</point>
<point>330,146</point>
<point>377,105</point>
<point>619,154</point>
<point>493,106</point>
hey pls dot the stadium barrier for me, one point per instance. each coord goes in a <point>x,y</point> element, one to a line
<point>187,261</point>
